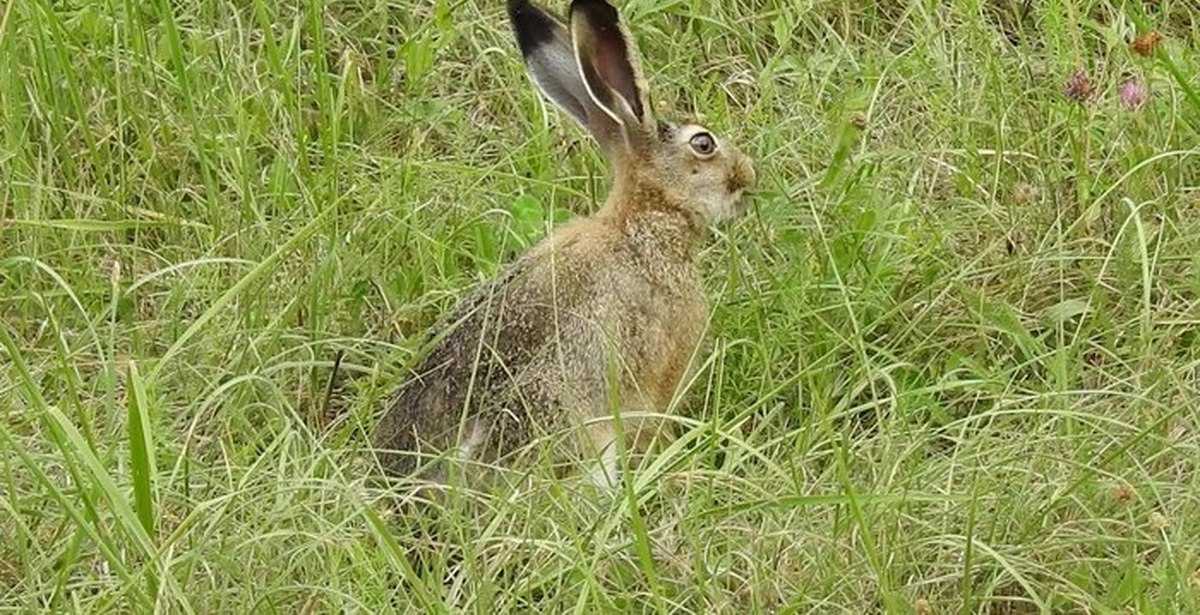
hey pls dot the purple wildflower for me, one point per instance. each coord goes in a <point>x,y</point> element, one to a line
<point>1134,94</point>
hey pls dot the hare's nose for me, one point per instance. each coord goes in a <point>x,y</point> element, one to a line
<point>744,172</point>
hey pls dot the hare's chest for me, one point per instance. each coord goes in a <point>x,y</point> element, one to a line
<point>673,341</point>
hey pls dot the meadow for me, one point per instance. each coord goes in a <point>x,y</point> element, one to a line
<point>952,365</point>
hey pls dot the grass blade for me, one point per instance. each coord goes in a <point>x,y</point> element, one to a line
<point>141,449</point>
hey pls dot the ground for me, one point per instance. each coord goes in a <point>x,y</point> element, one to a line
<point>952,364</point>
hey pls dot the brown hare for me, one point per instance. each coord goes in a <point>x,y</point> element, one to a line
<point>601,320</point>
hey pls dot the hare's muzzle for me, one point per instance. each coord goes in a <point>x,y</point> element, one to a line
<point>742,176</point>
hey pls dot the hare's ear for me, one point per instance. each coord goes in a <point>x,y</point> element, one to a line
<point>549,55</point>
<point>609,64</point>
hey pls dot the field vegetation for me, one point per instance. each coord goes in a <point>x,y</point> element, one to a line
<point>952,363</point>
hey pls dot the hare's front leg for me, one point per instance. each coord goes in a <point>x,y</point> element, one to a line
<point>641,429</point>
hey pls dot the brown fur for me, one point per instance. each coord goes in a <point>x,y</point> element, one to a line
<point>530,352</point>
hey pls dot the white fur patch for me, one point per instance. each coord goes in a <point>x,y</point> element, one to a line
<point>470,444</point>
<point>606,474</point>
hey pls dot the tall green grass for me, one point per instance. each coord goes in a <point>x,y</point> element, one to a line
<point>953,361</point>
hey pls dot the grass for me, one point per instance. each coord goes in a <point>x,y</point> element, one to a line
<point>953,360</point>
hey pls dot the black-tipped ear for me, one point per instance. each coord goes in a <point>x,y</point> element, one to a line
<point>545,46</point>
<point>608,61</point>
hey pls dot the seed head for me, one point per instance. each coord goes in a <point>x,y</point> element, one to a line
<point>1080,87</point>
<point>1024,193</point>
<point>1145,44</point>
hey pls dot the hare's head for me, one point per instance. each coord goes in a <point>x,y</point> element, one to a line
<point>589,67</point>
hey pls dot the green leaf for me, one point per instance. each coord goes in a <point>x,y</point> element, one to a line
<point>141,449</point>
<point>141,458</point>
<point>1130,587</point>
<point>418,59</point>
<point>528,217</point>
<point>1065,310</point>
<point>1004,319</point>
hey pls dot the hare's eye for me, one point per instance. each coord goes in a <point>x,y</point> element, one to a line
<point>703,144</point>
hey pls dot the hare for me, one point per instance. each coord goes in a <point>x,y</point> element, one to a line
<point>595,327</point>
